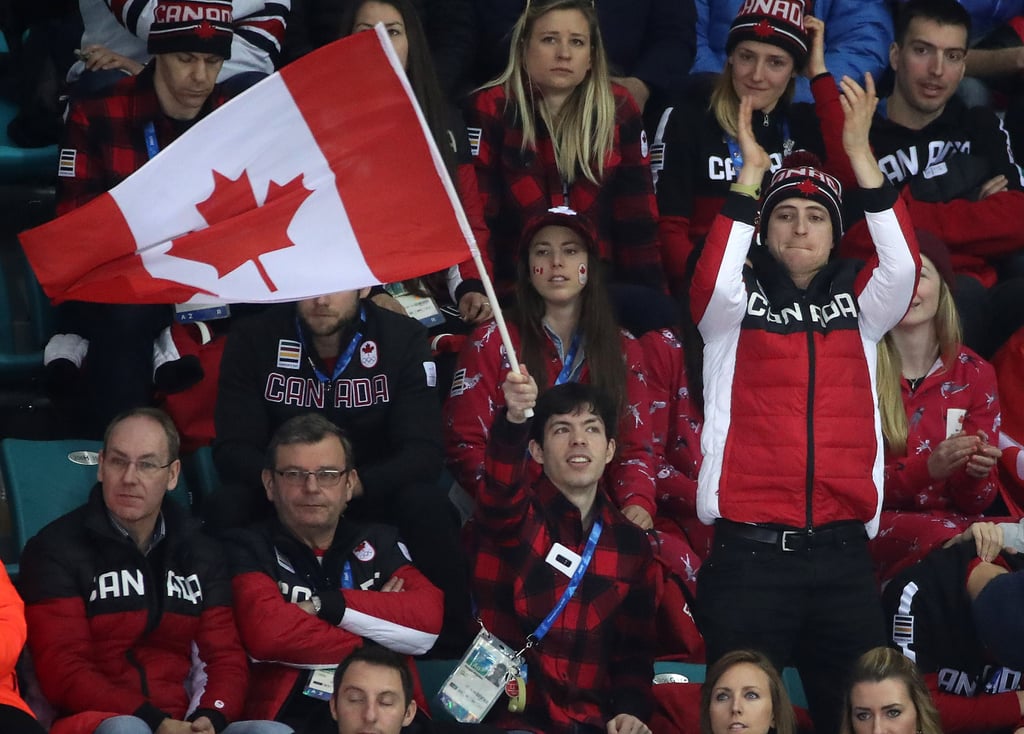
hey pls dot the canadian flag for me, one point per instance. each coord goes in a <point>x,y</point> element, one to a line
<point>323,177</point>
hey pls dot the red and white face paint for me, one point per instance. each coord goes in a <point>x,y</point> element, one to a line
<point>558,264</point>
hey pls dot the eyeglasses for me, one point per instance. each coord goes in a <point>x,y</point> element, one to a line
<point>325,478</point>
<point>145,467</point>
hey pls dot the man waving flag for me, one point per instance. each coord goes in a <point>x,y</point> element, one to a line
<point>321,178</point>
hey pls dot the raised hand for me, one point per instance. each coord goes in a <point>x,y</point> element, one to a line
<point>816,57</point>
<point>755,159</point>
<point>859,105</point>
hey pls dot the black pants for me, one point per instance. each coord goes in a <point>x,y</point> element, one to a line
<point>817,609</point>
<point>119,366</point>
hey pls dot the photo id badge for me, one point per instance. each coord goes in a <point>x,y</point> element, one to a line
<point>479,680</point>
<point>320,685</point>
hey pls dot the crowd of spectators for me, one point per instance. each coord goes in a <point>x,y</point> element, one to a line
<point>762,263</point>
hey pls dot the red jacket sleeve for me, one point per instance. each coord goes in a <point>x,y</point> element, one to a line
<point>631,475</point>
<point>635,208</point>
<point>87,179</point>
<point>276,630</point>
<point>676,437</point>
<point>472,405</point>
<point>831,119</point>
<point>965,714</point>
<point>469,195</point>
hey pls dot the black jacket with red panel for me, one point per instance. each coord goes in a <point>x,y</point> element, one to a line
<point>113,631</point>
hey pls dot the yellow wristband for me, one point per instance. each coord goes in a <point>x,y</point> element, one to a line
<point>751,190</point>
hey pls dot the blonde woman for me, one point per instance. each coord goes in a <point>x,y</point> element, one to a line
<point>886,694</point>
<point>940,422</point>
<point>553,130</point>
<point>699,154</point>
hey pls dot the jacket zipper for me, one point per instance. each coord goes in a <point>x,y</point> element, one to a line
<point>809,477</point>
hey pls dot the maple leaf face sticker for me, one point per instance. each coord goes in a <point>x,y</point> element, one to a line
<point>228,211</point>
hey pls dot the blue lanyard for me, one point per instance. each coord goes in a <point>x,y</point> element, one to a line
<point>737,156</point>
<point>152,146</point>
<point>345,357</point>
<point>570,358</point>
<point>574,582</point>
<point>346,576</point>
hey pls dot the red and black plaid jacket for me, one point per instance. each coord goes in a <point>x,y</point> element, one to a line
<point>517,185</point>
<point>597,660</point>
<point>104,139</point>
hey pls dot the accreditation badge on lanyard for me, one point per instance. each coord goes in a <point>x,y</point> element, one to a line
<point>480,678</point>
<point>490,667</point>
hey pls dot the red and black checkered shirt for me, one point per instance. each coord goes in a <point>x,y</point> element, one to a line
<point>597,660</point>
<point>517,185</point>
<point>104,139</point>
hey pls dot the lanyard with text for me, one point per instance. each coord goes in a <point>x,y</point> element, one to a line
<point>570,358</point>
<point>152,146</point>
<point>345,357</point>
<point>346,576</point>
<point>574,582</point>
<point>737,156</point>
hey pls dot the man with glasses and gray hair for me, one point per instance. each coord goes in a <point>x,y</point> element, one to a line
<point>129,611</point>
<point>311,585</point>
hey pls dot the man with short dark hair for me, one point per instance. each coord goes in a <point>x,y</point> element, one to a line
<point>369,371</point>
<point>311,585</point>
<point>953,165</point>
<point>591,671</point>
<point>373,692</point>
<point>129,606</point>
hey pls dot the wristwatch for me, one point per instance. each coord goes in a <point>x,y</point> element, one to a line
<point>317,604</point>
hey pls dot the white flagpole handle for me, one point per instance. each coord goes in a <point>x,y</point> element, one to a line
<point>499,317</point>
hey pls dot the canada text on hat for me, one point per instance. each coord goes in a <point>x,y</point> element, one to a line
<point>779,22</point>
<point>783,174</point>
<point>191,12</point>
<point>791,11</point>
<point>196,26</point>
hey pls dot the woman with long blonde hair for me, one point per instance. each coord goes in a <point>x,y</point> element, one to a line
<point>553,130</point>
<point>885,685</point>
<point>940,412</point>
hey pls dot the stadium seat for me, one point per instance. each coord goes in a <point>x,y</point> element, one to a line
<point>46,479</point>
<point>22,302</point>
<point>201,475</point>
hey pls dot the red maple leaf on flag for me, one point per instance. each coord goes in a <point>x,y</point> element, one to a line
<point>807,187</point>
<point>255,230</point>
<point>763,28</point>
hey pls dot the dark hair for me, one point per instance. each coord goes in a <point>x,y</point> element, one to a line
<point>943,12</point>
<point>570,398</point>
<point>600,330</point>
<point>885,663</point>
<point>782,709</point>
<point>308,428</point>
<point>374,654</point>
<point>154,414</point>
<point>421,73</point>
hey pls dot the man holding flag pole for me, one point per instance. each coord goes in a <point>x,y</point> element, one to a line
<point>277,196</point>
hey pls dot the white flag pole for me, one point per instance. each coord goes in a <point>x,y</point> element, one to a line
<point>499,317</point>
